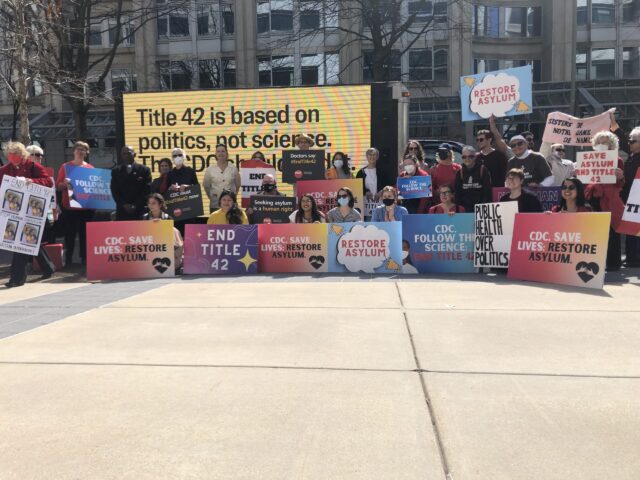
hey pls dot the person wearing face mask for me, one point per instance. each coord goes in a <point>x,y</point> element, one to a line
<point>389,211</point>
<point>161,184</point>
<point>445,171</point>
<point>411,169</point>
<point>20,166</point>
<point>631,166</point>
<point>527,202</point>
<point>606,198</point>
<point>560,168</point>
<point>473,181</point>
<point>269,189</point>
<point>407,266</point>
<point>182,176</point>
<point>536,170</point>
<point>344,212</point>
<point>130,186</point>
<point>74,219</point>
<point>341,168</point>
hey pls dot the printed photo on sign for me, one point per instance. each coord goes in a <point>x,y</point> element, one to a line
<point>630,224</point>
<point>501,93</point>
<point>292,248</point>
<point>565,249</point>
<point>414,187</point>
<point>130,250</point>
<point>597,167</point>
<point>10,231</point>
<point>220,249</point>
<point>35,206</point>
<point>440,243</point>
<point>12,201</point>
<point>324,192</point>
<point>548,197</point>
<point>493,233</point>
<point>30,234</point>
<point>365,247</point>
<point>300,165</point>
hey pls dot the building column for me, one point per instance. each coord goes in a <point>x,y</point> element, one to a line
<point>246,39</point>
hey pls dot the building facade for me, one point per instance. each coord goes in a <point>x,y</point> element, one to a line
<point>592,45</point>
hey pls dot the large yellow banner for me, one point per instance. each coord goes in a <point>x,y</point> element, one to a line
<point>266,119</point>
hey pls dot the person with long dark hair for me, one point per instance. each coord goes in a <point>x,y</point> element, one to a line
<point>229,212</point>
<point>414,148</point>
<point>411,169</point>
<point>340,168</point>
<point>308,211</point>
<point>573,198</point>
<point>389,211</point>
<point>157,211</point>
<point>345,211</point>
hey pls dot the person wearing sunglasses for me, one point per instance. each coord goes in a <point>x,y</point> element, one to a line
<point>572,199</point>
<point>447,202</point>
<point>494,160</point>
<point>414,148</point>
<point>560,167</point>
<point>344,212</point>
<point>631,166</point>
<point>534,166</point>
<point>389,211</point>
<point>606,198</point>
<point>473,181</point>
<point>182,176</point>
<point>527,202</point>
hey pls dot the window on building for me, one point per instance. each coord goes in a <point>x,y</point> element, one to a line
<point>440,64</point>
<point>440,12</point>
<point>522,21</point>
<point>310,14</point>
<point>95,37</point>
<point>582,12</point>
<point>630,11</point>
<point>631,62</point>
<point>36,88</point>
<point>331,13</point>
<point>209,73</point>
<point>282,71</point>
<point>175,23</point>
<point>228,19</point>
<point>264,71</point>
<point>426,10</point>
<point>282,15</point>
<point>486,21</point>
<point>176,75</point>
<point>603,11</point>
<point>320,69</point>
<point>123,80</point>
<point>391,66</point>
<point>229,72</point>
<point>208,18</point>
<point>484,65</point>
<point>582,66</point>
<point>263,13</point>
<point>603,63</point>
<point>96,88</point>
<point>127,32</point>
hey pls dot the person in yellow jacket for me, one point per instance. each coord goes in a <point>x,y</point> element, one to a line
<point>229,212</point>
<point>341,168</point>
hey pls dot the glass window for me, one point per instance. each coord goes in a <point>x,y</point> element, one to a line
<point>209,73</point>
<point>486,21</point>
<point>484,65</point>
<point>312,69</point>
<point>122,80</point>
<point>228,20</point>
<point>229,72</point>
<point>603,63</point>
<point>332,68</point>
<point>391,66</point>
<point>282,15</point>
<point>179,24</point>
<point>282,71</point>
<point>421,64</point>
<point>127,34</point>
<point>331,13</point>
<point>522,21</point>
<point>441,64</point>
<point>631,62</point>
<point>176,75</point>
<point>581,66</point>
<point>422,9</point>
<point>264,23</point>
<point>208,18</point>
<point>264,71</point>
<point>582,12</point>
<point>630,11</point>
<point>440,12</point>
<point>310,15</point>
<point>175,23</point>
<point>603,11</point>
<point>95,37</point>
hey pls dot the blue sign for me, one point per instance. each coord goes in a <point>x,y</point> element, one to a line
<point>439,243</point>
<point>91,188</point>
<point>414,187</point>
<point>503,93</point>
<point>365,247</point>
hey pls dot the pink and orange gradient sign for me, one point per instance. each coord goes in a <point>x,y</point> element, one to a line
<point>562,248</point>
<point>293,248</point>
<point>127,250</point>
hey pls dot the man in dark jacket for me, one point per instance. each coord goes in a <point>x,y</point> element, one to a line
<point>631,166</point>
<point>130,186</point>
<point>473,182</point>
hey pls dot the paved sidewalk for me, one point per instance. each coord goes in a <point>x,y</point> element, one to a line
<point>335,377</point>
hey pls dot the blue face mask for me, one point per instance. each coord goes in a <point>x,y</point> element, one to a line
<point>343,202</point>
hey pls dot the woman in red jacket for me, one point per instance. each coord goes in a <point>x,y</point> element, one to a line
<point>20,166</point>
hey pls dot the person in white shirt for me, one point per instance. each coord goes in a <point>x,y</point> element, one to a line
<point>219,177</point>
<point>560,167</point>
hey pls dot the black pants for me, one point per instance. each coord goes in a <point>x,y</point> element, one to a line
<point>614,254</point>
<point>20,262</point>
<point>632,248</point>
<point>75,223</point>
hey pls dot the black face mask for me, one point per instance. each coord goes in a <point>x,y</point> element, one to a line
<point>443,154</point>
<point>388,201</point>
<point>268,187</point>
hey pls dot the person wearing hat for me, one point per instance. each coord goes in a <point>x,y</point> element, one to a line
<point>304,142</point>
<point>445,170</point>
<point>181,176</point>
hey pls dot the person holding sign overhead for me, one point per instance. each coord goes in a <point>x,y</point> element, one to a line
<point>229,212</point>
<point>389,211</point>
<point>573,199</point>
<point>344,212</point>
<point>494,160</point>
<point>606,198</point>
<point>220,177</point>
<point>340,168</point>
<point>308,211</point>
<point>411,169</point>
<point>527,202</point>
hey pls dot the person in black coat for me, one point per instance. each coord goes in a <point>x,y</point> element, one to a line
<point>130,186</point>
<point>373,176</point>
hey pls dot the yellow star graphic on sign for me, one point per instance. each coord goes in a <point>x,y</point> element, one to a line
<point>247,260</point>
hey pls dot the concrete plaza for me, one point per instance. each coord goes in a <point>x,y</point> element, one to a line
<point>275,377</point>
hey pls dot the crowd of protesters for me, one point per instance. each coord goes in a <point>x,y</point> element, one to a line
<point>456,188</point>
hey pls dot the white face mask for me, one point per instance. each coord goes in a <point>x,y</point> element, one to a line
<point>405,254</point>
<point>409,168</point>
<point>179,160</point>
<point>601,147</point>
<point>338,163</point>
